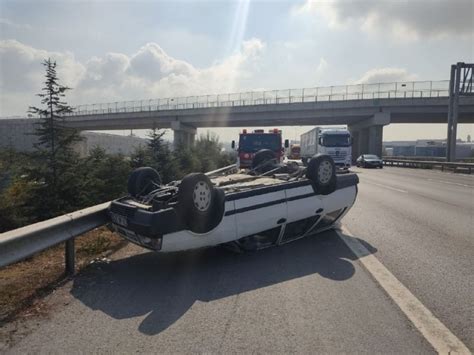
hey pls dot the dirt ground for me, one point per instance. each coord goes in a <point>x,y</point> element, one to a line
<point>23,283</point>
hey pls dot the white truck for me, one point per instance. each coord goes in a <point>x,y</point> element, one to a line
<point>333,141</point>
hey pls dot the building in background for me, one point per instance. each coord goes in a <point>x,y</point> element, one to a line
<point>18,134</point>
<point>427,148</point>
<point>111,143</point>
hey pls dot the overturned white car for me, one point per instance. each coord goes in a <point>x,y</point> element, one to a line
<point>267,205</point>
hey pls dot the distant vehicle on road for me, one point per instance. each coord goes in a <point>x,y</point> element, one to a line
<point>369,161</point>
<point>335,142</point>
<point>251,142</point>
<point>294,152</point>
<point>271,204</point>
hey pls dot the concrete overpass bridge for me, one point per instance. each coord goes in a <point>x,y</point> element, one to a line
<point>365,108</point>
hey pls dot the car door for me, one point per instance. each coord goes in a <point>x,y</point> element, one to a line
<point>260,210</point>
<point>304,210</point>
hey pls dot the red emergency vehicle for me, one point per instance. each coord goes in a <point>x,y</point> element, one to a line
<point>251,142</point>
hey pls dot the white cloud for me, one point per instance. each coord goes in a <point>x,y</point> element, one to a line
<point>401,19</point>
<point>21,74</point>
<point>20,66</point>
<point>386,75</point>
<point>148,73</point>
<point>152,73</point>
<point>110,69</point>
<point>152,63</point>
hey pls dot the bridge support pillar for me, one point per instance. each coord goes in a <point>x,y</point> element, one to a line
<point>183,135</point>
<point>367,135</point>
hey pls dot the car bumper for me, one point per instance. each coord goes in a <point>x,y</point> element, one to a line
<point>373,165</point>
<point>342,166</point>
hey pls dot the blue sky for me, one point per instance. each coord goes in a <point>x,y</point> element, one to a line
<point>123,50</point>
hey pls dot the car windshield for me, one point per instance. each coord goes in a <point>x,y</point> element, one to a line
<point>370,156</point>
<point>254,142</point>
<point>336,140</point>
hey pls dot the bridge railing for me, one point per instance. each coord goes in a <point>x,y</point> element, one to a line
<point>414,89</point>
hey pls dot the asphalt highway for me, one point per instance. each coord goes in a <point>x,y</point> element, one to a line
<point>422,224</point>
<point>311,296</point>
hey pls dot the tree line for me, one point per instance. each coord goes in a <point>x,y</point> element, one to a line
<point>54,179</point>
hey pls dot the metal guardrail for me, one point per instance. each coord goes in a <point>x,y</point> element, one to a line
<point>426,164</point>
<point>21,243</point>
<point>413,89</point>
<point>427,158</point>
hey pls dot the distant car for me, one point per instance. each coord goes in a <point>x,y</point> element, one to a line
<point>369,161</point>
<point>270,204</point>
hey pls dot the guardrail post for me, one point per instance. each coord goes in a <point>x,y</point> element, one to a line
<point>70,257</point>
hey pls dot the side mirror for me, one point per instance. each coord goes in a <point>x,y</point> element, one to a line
<point>320,141</point>
<point>233,144</point>
<point>287,143</point>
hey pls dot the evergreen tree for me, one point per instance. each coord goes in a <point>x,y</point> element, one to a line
<point>186,160</point>
<point>104,177</point>
<point>53,174</point>
<point>208,151</point>
<point>139,157</point>
<point>160,155</point>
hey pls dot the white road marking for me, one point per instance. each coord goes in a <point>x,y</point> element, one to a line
<point>450,183</point>
<point>388,187</point>
<point>435,332</point>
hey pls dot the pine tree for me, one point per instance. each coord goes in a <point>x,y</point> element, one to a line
<point>160,155</point>
<point>186,160</point>
<point>208,151</point>
<point>55,142</point>
<point>54,175</point>
<point>139,157</point>
<point>104,176</point>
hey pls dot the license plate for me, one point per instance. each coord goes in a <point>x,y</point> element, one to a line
<point>118,219</point>
<point>131,236</point>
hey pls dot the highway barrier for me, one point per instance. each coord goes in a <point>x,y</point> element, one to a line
<point>427,164</point>
<point>21,243</point>
<point>425,158</point>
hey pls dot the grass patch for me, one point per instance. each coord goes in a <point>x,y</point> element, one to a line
<point>22,283</point>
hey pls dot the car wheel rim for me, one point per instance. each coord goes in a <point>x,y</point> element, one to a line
<point>324,172</point>
<point>202,196</point>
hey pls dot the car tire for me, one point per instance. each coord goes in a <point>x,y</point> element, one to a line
<point>322,172</point>
<point>200,206</point>
<point>262,160</point>
<point>142,181</point>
